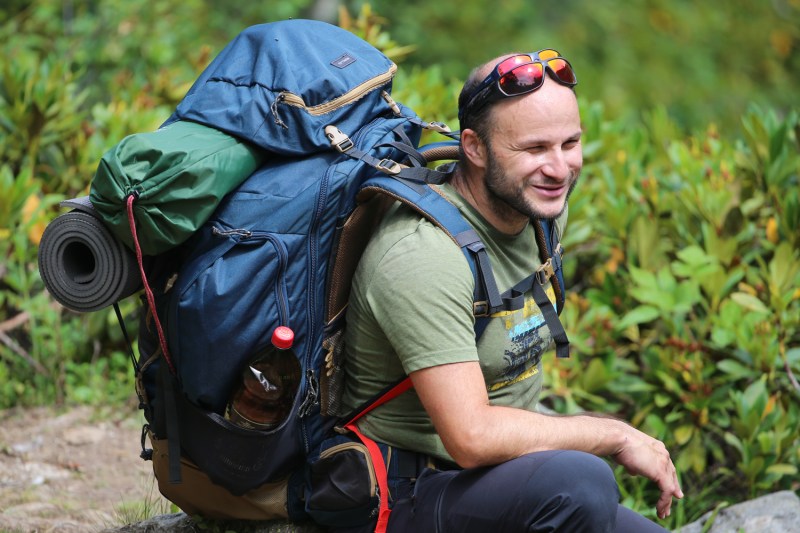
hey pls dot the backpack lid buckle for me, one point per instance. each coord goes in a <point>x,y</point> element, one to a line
<point>338,139</point>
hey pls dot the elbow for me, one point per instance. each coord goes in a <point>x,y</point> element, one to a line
<point>469,448</point>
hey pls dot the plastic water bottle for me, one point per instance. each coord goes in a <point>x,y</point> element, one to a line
<point>268,386</point>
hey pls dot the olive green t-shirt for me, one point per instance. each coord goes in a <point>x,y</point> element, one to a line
<point>411,308</point>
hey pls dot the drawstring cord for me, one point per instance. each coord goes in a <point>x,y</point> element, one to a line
<point>151,301</point>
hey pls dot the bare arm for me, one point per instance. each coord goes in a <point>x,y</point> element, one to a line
<point>476,433</point>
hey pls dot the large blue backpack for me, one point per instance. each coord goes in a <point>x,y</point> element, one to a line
<point>281,248</point>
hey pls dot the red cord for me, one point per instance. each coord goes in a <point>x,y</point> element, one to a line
<point>151,301</point>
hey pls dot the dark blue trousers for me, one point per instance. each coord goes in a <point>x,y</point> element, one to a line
<point>547,491</point>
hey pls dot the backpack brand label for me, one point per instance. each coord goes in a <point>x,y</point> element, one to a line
<point>343,61</point>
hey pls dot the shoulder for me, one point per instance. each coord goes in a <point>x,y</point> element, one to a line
<point>405,240</point>
<point>408,257</point>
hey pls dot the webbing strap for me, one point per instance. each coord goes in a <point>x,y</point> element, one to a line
<point>341,142</point>
<point>551,319</point>
<point>375,453</point>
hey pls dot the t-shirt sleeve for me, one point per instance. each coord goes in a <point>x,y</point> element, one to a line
<point>421,295</point>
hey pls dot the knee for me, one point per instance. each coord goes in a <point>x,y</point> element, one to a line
<point>582,489</point>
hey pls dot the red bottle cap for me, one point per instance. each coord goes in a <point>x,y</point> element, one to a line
<point>283,337</point>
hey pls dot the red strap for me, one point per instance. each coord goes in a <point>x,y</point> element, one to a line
<point>380,474</point>
<point>375,453</point>
<point>151,301</point>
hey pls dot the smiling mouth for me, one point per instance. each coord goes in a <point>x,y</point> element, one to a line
<point>549,191</point>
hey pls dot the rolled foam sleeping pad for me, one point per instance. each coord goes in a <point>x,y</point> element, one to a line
<point>84,267</point>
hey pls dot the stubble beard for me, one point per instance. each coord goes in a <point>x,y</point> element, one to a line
<point>508,198</point>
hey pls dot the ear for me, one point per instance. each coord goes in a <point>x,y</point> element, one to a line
<point>474,148</point>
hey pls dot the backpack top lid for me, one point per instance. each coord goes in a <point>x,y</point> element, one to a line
<point>277,85</point>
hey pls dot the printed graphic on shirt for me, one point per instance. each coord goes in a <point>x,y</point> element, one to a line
<point>527,339</point>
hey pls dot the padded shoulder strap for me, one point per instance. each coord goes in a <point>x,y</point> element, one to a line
<point>487,299</point>
<point>433,206</point>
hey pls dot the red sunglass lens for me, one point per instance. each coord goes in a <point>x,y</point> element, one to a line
<point>562,70</point>
<point>507,65</point>
<point>521,79</point>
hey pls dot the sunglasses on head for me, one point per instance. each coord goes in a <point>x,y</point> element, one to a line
<point>521,74</point>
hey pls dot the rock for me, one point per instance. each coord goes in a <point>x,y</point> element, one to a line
<point>181,523</point>
<point>774,513</point>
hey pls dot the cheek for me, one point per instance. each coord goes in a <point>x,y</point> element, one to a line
<point>575,158</point>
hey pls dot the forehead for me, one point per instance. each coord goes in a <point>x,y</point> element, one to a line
<point>551,110</point>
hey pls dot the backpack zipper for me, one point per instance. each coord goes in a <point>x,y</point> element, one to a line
<point>349,97</point>
<point>283,255</point>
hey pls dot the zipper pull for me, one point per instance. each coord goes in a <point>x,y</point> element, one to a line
<point>392,104</point>
<point>243,233</point>
<point>274,110</point>
<point>312,396</point>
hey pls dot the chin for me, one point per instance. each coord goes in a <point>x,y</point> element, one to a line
<point>548,209</point>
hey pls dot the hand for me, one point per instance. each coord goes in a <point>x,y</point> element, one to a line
<point>643,455</point>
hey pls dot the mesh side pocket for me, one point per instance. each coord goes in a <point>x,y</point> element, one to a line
<point>332,380</point>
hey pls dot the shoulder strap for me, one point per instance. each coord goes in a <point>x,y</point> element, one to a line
<point>487,299</point>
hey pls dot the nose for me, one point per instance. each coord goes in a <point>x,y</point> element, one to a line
<point>556,166</point>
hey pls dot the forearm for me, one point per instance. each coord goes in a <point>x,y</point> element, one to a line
<point>496,434</point>
<point>476,433</point>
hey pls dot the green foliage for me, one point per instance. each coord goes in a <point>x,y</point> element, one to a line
<point>704,62</point>
<point>683,248</point>
<point>688,322</point>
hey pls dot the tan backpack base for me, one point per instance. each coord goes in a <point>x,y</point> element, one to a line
<point>198,495</point>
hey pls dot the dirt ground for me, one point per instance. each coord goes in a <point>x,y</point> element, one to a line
<point>73,470</point>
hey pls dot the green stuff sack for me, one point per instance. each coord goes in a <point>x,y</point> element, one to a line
<point>177,174</point>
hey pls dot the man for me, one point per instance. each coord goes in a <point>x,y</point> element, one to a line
<point>498,464</point>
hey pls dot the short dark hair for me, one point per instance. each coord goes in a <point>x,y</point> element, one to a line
<point>476,118</point>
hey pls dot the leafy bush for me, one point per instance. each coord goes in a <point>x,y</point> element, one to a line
<point>686,258</point>
<point>683,250</point>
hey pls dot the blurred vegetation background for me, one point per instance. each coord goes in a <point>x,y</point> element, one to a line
<point>683,250</point>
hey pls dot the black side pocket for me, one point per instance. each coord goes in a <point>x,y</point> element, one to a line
<point>343,490</point>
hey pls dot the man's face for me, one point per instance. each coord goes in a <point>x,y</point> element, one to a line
<point>534,157</point>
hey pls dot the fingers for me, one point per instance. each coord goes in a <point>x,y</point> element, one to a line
<point>670,488</point>
<point>664,505</point>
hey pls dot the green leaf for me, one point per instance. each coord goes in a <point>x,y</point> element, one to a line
<point>784,269</point>
<point>782,469</point>
<point>639,315</point>
<point>735,369</point>
<point>595,376</point>
<point>734,441</point>
<point>683,434</point>
<point>750,302</point>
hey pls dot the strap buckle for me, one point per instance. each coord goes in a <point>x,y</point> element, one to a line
<point>338,139</point>
<point>480,308</point>
<point>439,127</point>
<point>545,272</point>
<point>390,167</point>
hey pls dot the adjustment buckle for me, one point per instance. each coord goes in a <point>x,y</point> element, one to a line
<point>390,167</point>
<point>439,127</point>
<point>338,139</point>
<point>545,272</point>
<point>480,309</point>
